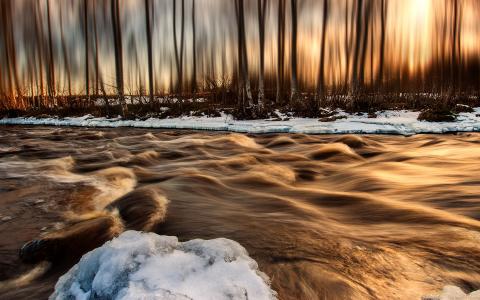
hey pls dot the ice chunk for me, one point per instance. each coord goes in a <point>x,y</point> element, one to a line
<point>148,266</point>
<point>451,292</point>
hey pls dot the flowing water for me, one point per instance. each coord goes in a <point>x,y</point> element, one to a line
<point>326,217</point>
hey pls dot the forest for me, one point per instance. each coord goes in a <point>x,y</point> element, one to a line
<point>248,57</point>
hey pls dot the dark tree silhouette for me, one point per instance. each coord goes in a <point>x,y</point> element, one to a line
<point>383,30</point>
<point>262,13</point>
<point>117,37</point>
<point>51,62</point>
<point>194,50</point>
<point>179,55</point>
<point>280,51</point>
<point>294,70</point>
<point>87,59</point>
<point>321,67</point>
<point>148,27</point>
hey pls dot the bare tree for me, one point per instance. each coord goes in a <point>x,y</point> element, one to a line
<point>294,77</point>
<point>321,67</point>
<point>117,37</point>
<point>348,44</point>
<point>148,27</point>
<point>66,60</point>
<point>358,40</point>
<point>365,34</point>
<point>454,45</point>
<point>243,60</point>
<point>179,55</point>
<point>262,12</point>
<point>10,51</point>
<point>87,58</point>
<point>97,67</point>
<point>281,50</point>
<point>383,25</point>
<point>51,64</point>
<point>39,37</point>
<point>194,50</point>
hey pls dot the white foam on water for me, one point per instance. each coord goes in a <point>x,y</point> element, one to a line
<point>401,122</point>
<point>149,266</point>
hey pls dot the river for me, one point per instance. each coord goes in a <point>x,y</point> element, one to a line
<point>325,216</point>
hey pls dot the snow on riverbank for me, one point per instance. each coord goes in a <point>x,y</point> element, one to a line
<point>148,266</point>
<point>386,122</point>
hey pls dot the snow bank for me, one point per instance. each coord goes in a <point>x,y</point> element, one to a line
<point>387,122</point>
<point>148,266</point>
<point>454,293</point>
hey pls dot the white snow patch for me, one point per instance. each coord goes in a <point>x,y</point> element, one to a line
<point>387,122</point>
<point>451,292</point>
<point>148,266</point>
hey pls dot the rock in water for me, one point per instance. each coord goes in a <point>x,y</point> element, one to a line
<point>148,266</point>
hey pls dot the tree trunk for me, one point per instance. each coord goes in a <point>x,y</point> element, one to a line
<point>51,64</point>
<point>243,59</point>
<point>97,67</point>
<point>294,83</point>
<point>366,34</point>
<point>117,36</point>
<point>148,27</point>
<point>87,58</point>
<point>383,31</point>
<point>358,40</point>
<point>179,55</point>
<point>321,67</point>
<point>262,10</point>
<point>281,50</point>
<point>66,60</point>
<point>10,52</point>
<point>194,51</point>
<point>347,44</point>
<point>453,59</point>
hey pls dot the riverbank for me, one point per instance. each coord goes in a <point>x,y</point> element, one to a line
<point>402,122</point>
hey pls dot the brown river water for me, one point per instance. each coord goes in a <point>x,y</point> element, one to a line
<point>326,217</point>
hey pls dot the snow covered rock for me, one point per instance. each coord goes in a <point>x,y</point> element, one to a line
<point>451,292</point>
<point>148,266</point>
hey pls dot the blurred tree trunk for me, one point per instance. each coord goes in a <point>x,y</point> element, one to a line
<point>262,11</point>
<point>321,67</point>
<point>294,78</point>
<point>97,67</point>
<point>358,39</point>
<point>454,45</point>
<point>66,60</point>
<point>243,59</point>
<point>347,43</point>
<point>51,63</point>
<point>179,55</point>
<point>383,31</point>
<point>39,36</point>
<point>281,50</point>
<point>117,37</point>
<point>87,58</point>
<point>13,82</point>
<point>194,51</point>
<point>148,27</point>
<point>366,34</point>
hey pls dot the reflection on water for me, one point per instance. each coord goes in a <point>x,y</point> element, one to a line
<point>326,217</point>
